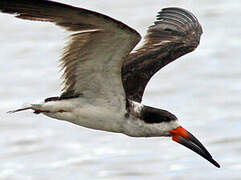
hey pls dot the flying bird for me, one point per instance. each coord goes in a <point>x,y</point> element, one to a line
<point>104,78</point>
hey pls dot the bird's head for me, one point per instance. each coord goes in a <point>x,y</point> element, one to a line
<point>164,123</point>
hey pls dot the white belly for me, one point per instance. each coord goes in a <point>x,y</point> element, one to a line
<point>87,115</point>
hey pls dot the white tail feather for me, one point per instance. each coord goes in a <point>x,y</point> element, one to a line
<point>24,107</point>
<point>21,109</point>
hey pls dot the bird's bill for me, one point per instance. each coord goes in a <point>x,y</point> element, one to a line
<point>182,136</point>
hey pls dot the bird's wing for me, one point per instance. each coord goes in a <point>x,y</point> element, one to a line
<point>96,50</point>
<point>175,32</point>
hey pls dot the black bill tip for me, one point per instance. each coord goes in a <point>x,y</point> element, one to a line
<point>190,145</point>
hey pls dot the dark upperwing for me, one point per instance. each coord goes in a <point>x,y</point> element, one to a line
<point>175,33</point>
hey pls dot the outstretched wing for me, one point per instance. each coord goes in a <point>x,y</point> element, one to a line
<point>175,32</point>
<point>97,48</point>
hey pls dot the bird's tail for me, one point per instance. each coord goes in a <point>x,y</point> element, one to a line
<point>34,107</point>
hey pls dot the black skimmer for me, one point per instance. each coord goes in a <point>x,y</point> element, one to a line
<point>104,80</point>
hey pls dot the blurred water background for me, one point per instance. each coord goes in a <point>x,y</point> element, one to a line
<point>203,89</point>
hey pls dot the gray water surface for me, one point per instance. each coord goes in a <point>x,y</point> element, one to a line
<point>203,89</point>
